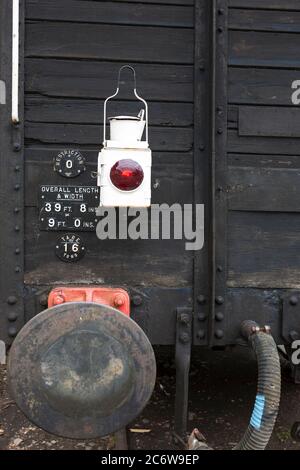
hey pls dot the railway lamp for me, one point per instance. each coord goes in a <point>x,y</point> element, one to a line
<point>124,163</point>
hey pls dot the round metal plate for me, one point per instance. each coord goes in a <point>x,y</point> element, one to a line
<point>81,370</point>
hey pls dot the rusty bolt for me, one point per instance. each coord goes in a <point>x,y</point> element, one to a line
<point>293,300</point>
<point>58,299</point>
<point>184,338</point>
<point>119,301</point>
<point>137,300</point>
<point>219,300</point>
<point>12,316</point>
<point>219,316</point>
<point>295,432</point>
<point>219,334</point>
<point>12,300</point>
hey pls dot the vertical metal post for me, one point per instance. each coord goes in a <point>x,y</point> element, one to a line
<point>182,362</point>
<point>12,170</point>
<point>219,65</point>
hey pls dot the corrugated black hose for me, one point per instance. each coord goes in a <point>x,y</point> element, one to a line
<point>267,400</point>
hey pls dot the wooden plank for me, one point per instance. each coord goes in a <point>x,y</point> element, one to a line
<point>164,139</point>
<point>264,250</point>
<point>266,4</point>
<point>261,86</point>
<point>262,145</point>
<point>172,174</point>
<point>263,161</point>
<point>250,48</point>
<point>109,42</point>
<point>88,79</point>
<point>167,2</point>
<point>110,12</point>
<point>40,109</point>
<point>269,121</point>
<point>264,20</point>
<point>266,189</point>
<point>107,261</point>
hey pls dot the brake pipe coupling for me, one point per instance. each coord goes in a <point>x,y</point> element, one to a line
<point>267,399</point>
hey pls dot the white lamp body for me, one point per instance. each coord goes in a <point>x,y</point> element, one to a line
<point>125,143</point>
<point>110,196</point>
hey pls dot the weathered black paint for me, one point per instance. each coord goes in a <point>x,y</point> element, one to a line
<point>223,131</point>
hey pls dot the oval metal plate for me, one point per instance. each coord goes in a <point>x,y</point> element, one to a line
<point>81,370</point>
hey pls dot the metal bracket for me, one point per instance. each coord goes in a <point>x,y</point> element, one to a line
<point>291,317</point>
<point>182,361</point>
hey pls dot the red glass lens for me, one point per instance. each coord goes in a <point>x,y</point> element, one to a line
<point>126,175</point>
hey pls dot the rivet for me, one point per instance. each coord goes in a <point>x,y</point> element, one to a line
<point>17,168</point>
<point>58,299</point>
<point>184,338</point>
<point>219,316</point>
<point>12,300</point>
<point>17,251</point>
<point>119,300</point>
<point>220,130</point>
<point>201,316</point>
<point>43,300</point>
<point>12,331</point>
<point>17,187</point>
<point>219,269</point>
<point>201,299</point>
<point>16,210</point>
<point>17,228</point>
<point>201,334</point>
<point>294,335</point>
<point>294,300</point>
<point>219,300</point>
<point>17,269</point>
<point>202,147</point>
<point>221,11</point>
<point>220,29</point>
<point>17,147</point>
<point>12,316</point>
<point>219,334</point>
<point>184,318</point>
<point>137,300</point>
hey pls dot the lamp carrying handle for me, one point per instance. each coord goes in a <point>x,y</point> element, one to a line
<point>116,93</point>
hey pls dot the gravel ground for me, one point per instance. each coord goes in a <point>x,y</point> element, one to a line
<point>222,390</point>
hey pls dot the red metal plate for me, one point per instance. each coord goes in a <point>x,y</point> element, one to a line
<point>113,297</point>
